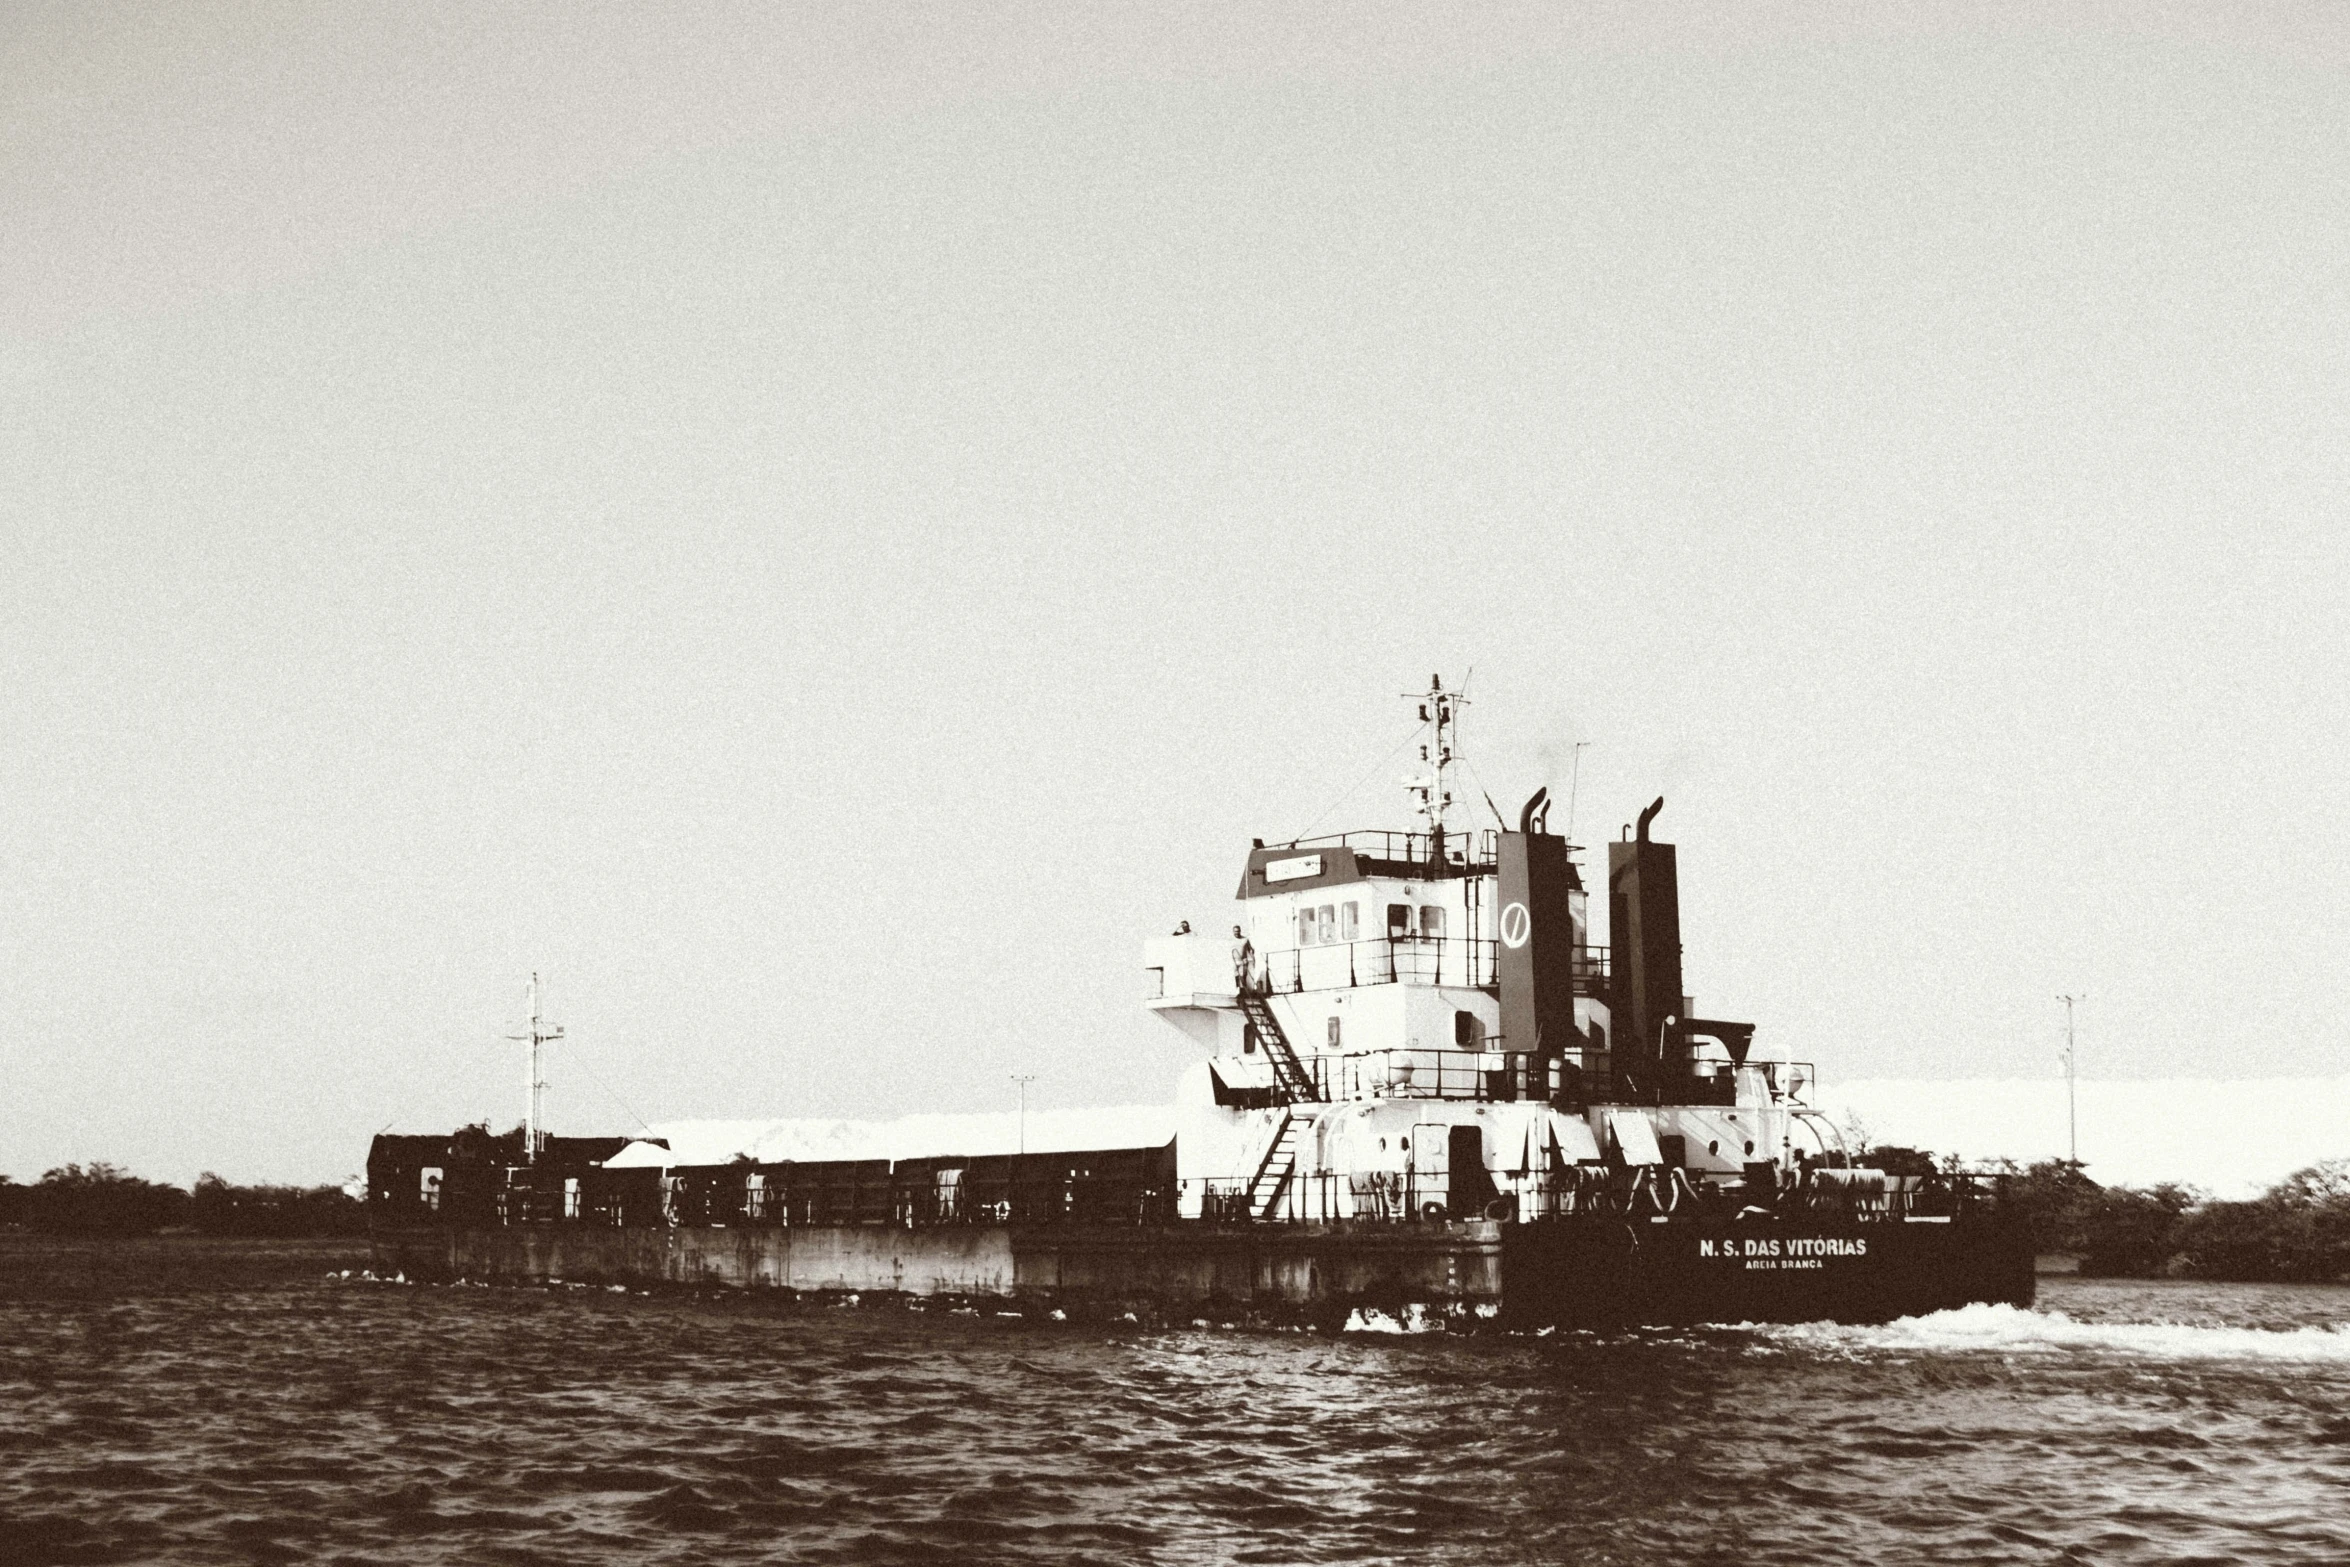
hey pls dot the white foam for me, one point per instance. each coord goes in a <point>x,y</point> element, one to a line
<point>2009,1330</point>
<point>1414,1319</point>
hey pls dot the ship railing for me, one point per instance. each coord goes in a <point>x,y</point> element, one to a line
<point>1104,1186</point>
<point>1138,1186</point>
<point>1484,1073</point>
<point>1937,1196</point>
<point>1464,854</point>
<point>1427,1193</point>
<point>924,1196</point>
<point>1396,959</point>
<point>1417,1194</point>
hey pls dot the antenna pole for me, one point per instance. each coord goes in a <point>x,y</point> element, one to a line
<point>538,1035</point>
<point>2072,1118</point>
<point>538,1072</point>
<point>1023,1079</point>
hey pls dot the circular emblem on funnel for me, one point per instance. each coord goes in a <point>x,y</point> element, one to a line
<point>1516,925</point>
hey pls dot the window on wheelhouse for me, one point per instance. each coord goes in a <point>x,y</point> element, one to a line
<point>1349,923</point>
<point>1326,924</point>
<point>1467,1032</point>
<point>1431,922</point>
<point>1399,921</point>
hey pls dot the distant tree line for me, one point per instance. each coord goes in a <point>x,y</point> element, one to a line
<point>101,1199</point>
<point>2298,1231</point>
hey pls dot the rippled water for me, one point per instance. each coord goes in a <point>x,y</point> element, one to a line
<point>360,1422</point>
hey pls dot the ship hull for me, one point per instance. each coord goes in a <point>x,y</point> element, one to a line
<point>1580,1274</point>
<point>1613,1274</point>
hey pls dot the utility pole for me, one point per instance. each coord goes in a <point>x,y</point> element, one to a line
<point>539,1036</point>
<point>2072,1116</point>
<point>1024,1079</point>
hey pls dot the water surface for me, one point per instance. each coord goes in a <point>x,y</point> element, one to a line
<point>350,1421</point>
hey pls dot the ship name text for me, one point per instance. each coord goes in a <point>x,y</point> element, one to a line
<point>1784,1246</point>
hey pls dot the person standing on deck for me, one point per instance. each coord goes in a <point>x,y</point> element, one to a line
<point>1244,959</point>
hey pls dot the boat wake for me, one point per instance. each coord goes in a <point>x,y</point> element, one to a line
<point>2011,1330</point>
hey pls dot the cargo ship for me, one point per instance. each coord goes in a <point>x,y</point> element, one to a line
<point>1422,1093</point>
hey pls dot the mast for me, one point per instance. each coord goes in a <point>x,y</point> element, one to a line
<point>534,1082</point>
<point>1433,789</point>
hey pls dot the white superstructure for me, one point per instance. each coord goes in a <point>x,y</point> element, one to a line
<point>1360,1063</point>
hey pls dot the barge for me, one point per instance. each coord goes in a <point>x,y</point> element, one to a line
<point>1421,1090</point>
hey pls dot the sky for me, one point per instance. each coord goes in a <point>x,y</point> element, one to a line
<point>818,529</point>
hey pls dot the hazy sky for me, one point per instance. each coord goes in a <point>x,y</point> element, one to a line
<point>820,528</point>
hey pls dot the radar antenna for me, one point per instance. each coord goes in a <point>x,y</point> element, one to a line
<point>540,1035</point>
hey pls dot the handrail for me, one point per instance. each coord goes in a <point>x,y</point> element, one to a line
<point>1490,1075</point>
<point>1400,958</point>
<point>1015,1191</point>
<point>1289,1074</point>
<point>1422,1193</point>
<point>1465,853</point>
<point>1465,961</point>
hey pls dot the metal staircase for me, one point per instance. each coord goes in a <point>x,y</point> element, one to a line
<point>1278,1166</point>
<point>1291,1082</point>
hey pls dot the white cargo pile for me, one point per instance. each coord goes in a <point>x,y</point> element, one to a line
<point>908,1137</point>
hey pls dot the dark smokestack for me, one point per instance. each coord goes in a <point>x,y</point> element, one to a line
<point>1644,926</point>
<point>1536,962</point>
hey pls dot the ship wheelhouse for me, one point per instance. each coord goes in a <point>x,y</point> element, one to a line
<point>1379,956</point>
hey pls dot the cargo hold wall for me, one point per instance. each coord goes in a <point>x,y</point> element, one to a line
<point>1293,1266</point>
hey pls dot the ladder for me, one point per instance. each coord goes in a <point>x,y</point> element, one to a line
<point>1277,1167</point>
<point>1291,1082</point>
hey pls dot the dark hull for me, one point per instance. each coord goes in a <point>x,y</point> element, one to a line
<point>1603,1274</point>
<point>1597,1273</point>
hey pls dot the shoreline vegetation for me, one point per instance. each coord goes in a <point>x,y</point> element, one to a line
<point>2298,1231</point>
<point>103,1199</point>
<point>98,1231</point>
